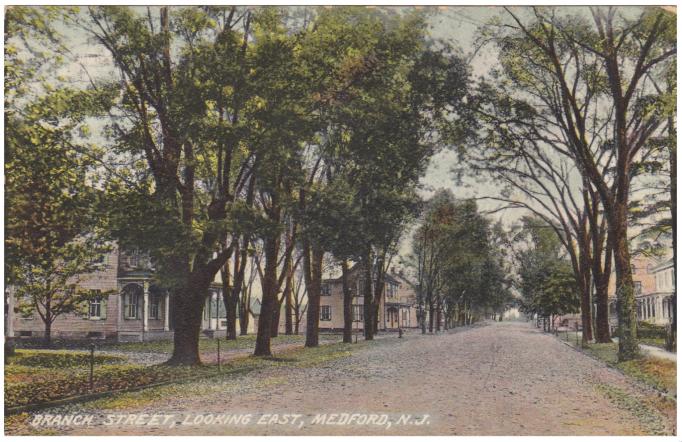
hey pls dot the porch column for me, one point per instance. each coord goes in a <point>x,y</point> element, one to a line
<point>166,310</point>
<point>145,306</point>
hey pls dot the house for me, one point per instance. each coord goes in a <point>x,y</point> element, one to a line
<point>654,284</point>
<point>136,310</point>
<point>397,306</point>
<point>656,306</point>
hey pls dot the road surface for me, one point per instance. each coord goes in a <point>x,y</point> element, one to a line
<point>494,379</point>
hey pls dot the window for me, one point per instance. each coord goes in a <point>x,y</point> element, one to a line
<point>638,288</point>
<point>134,259</point>
<point>154,305</point>
<point>392,290</point>
<point>95,311</point>
<point>634,269</point>
<point>326,290</point>
<point>325,313</point>
<point>131,302</point>
<point>358,312</point>
<point>361,286</point>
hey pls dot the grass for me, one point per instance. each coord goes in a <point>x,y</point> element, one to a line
<point>30,366</point>
<point>646,412</point>
<point>40,382</point>
<point>223,380</point>
<point>655,372</point>
<point>656,342</point>
<point>207,345</point>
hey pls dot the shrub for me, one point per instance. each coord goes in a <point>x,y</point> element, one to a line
<point>651,331</point>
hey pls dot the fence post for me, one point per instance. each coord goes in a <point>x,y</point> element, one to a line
<point>218,341</point>
<point>92,365</point>
<point>576,334</point>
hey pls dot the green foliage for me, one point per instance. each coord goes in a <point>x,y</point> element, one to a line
<point>51,235</point>
<point>459,257</point>
<point>547,283</point>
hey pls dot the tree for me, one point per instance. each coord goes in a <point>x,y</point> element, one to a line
<point>183,123</point>
<point>546,280</point>
<point>51,233</point>
<point>591,74</point>
<point>460,269</point>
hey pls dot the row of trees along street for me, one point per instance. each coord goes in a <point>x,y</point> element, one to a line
<point>233,135</point>
<point>260,143</point>
<point>579,117</point>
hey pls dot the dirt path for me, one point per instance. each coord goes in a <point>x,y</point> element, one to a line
<point>498,379</point>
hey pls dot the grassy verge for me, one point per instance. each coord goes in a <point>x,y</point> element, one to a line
<point>655,372</point>
<point>655,342</point>
<point>205,380</point>
<point>207,345</point>
<point>42,382</point>
<point>649,412</point>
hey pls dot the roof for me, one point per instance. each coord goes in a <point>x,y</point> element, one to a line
<point>662,265</point>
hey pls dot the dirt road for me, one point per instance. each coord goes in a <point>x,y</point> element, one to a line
<point>496,379</point>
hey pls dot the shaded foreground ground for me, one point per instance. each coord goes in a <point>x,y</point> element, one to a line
<point>497,379</point>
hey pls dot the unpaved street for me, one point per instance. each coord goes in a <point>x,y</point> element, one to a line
<point>495,379</point>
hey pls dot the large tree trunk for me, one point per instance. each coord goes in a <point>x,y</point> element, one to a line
<point>672,131</point>
<point>288,302</point>
<point>347,304</point>
<point>268,303</point>
<point>603,327</point>
<point>368,303</point>
<point>431,314</point>
<point>243,319</point>
<point>188,306</point>
<point>313,270</point>
<point>585,299</point>
<point>276,314</point>
<point>232,301</point>
<point>628,347</point>
<point>601,283</point>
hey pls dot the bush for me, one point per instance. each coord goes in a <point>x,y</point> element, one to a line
<point>60,359</point>
<point>651,331</point>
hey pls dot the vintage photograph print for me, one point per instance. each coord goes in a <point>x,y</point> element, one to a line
<point>340,220</point>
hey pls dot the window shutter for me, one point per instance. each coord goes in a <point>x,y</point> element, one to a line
<point>103,309</point>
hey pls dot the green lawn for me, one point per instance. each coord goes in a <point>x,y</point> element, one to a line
<point>656,342</point>
<point>207,345</point>
<point>35,376</point>
<point>658,373</point>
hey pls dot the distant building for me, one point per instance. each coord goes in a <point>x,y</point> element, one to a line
<point>397,306</point>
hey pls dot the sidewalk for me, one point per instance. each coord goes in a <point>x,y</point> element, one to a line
<point>649,350</point>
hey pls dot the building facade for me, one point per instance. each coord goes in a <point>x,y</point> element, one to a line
<point>135,309</point>
<point>397,306</point>
<point>656,306</point>
<point>654,283</point>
